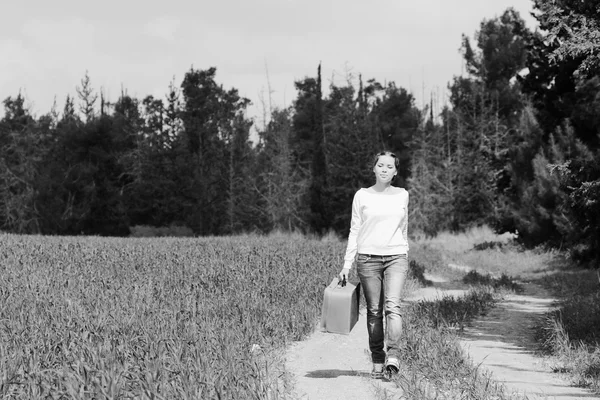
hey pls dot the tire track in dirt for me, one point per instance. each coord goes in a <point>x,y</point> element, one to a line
<point>503,343</point>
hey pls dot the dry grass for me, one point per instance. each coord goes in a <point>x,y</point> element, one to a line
<point>435,365</point>
<point>499,256</point>
<point>570,333</point>
<point>462,242</point>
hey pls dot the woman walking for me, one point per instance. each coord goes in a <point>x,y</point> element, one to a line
<point>378,242</point>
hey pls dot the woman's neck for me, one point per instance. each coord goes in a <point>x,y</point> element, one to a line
<point>382,187</point>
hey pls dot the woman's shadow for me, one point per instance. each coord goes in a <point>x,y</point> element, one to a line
<point>335,373</point>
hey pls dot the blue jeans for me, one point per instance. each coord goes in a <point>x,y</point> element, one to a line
<point>382,279</point>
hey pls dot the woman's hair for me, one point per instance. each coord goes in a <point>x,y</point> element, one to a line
<point>385,153</point>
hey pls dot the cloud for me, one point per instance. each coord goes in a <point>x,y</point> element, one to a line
<point>414,44</point>
<point>163,28</point>
<point>72,32</point>
<point>66,44</point>
<point>14,60</point>
<point>12,51</point>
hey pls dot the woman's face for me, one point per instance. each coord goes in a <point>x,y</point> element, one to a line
<point>385,169</point>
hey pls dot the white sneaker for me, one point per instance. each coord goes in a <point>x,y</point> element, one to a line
<point>377,372</point>
<point>392,365</point>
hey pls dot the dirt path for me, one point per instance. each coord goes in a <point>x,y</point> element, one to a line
<point>503,343</point>
<point>330,366</point>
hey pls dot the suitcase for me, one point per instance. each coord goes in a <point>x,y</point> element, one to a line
<point>340,307</point>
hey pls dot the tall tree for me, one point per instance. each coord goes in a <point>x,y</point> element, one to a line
<point>21,150</point>
<point>432,183</point>
<point>87,98</point>
<point>307,143</point>
<point>305,122</point>
<point>484,119</point>
<point>564,81</point>
<point>280,185</point>
<point>572,30</point>
<point>320,218</point>
<point>207,115</point>
<point>240,159</point>
<point>501,54</point>
<point>564,68</point>
<point>397,119</point>
<point>352,140</point>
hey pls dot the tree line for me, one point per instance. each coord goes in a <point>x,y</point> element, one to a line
<point>517,148</point>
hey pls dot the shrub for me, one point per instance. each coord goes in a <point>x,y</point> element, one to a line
<point>504,282</point>
<point>416,271</point>
<point>488,245</point>
<point>164,231</point>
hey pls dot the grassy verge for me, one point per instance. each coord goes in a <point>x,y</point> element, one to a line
<point>571,334</point>
<point>434,364</point>
<point>482,250</point>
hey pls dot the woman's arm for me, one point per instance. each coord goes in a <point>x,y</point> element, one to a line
<point>353,235</point>
<point>405,227</point>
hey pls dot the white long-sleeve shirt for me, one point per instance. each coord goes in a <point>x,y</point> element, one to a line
<point>379,224</point>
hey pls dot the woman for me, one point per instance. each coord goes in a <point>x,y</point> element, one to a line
<point>378,241</point>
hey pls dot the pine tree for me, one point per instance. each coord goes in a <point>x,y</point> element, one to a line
<point>280,186</point>
<point>320,219</point>
<point>21,151</point>
<point>87,98</point>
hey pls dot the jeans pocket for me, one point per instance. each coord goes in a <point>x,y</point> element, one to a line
<point>362,258</point>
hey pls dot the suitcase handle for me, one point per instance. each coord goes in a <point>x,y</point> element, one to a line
<point>343,282</point>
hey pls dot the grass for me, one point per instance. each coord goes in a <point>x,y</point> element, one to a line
<point>455,312</point>
<point>416,272</point>
<point>91,317</point>
<point>498,254</point>
<point>435,365</point>
<point>503,282</point>
<point>570,334</point>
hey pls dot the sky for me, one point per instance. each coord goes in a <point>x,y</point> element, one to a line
<point>46,47</point>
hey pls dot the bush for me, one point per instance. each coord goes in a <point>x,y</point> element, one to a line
<point>416,271</point>
<point>583,182</point>
<point>165,231</point>
<point>505,281</point>
<point>488,245</point>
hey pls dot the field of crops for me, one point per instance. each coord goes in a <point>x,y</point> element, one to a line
<point>160,318</point>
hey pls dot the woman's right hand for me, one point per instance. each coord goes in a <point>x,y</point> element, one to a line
<point>345,272</point>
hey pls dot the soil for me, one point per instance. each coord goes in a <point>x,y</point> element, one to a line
<point>330,366</point>
<point>503,343</point>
